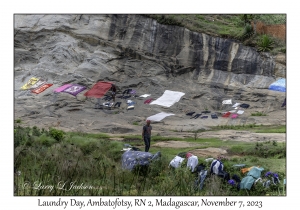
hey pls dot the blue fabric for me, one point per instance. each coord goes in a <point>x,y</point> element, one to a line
<point>200,180</point>
<point>279,85</point>
<point>131,159</point>
<point>252,175</point>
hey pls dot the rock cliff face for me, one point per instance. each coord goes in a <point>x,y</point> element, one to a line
<point>136,52</point>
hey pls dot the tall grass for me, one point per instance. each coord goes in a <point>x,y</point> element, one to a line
<point>89,165</point>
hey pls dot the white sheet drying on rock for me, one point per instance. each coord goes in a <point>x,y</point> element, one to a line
<point>145,95</point>
<point>159,116</point>
<point>240,112</point>
<point>227,101</point>
<point>236,104</point>
<point>168,98</point>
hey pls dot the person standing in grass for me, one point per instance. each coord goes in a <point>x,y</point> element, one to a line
<point>147,135</point>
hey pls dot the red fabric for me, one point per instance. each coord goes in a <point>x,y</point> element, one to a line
<point>227,114</point>
<point>41,89</point>
<point>98,90</point>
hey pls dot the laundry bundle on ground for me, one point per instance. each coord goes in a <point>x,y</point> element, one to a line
<point>131,159</point>
<point>249,180</point>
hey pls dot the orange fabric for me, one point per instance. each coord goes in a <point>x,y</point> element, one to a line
<point>41,89</point>
<point>244,170</point>
<point>99,89</point>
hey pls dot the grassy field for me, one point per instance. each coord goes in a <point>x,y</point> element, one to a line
<point>230,26</point>
<point>52,162</point>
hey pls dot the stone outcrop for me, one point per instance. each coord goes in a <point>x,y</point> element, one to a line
<point>134,52</point>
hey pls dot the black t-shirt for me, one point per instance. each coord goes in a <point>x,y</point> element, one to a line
<point>147,130</point>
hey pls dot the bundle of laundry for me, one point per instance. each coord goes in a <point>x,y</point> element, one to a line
<point>132,159</point>
<point>217,168</point>
<point>248,181</point>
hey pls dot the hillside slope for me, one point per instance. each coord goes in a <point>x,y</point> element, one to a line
<point>139,53</point>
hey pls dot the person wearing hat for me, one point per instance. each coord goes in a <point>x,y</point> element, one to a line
<point>147,135</point>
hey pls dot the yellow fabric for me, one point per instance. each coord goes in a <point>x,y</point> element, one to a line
<point>31,82</point>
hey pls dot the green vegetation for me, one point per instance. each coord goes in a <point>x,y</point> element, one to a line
<point>265,43</point>
<point>231,26</point>
<point>18,121</point>
<point>271,129</point>
<point>94,160</point>
<point>253,127</point>
<point>258,114</point>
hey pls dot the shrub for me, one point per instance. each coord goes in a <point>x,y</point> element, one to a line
<point>36,131</point>
<point>265,43</point>
<point>258,114</point>
<point>18,121</point>
<point>58,135</point>
<point>248,32</point>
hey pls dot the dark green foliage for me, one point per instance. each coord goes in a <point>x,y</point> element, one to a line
<point>265,43</point>
<point>36,131</point>
<point>247,18</point>
<point>248,32</point>
<point>58,135</point>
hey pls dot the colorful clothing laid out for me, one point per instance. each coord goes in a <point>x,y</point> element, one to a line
<point>98,90</point>
<point>41,89</point>
<point>233,116</point>
<point>62,88</point>
<point>38,84</point>
<point>31,82</point>
<point>74,89</point>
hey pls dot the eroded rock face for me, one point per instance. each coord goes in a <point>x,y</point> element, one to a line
<point>139,53</point>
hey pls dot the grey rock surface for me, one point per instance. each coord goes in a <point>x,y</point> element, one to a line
<point>138,53</point>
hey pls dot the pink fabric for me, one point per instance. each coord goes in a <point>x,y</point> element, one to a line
<point>234,116</point>
<point>62,88</point>
<point>188,155</point>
